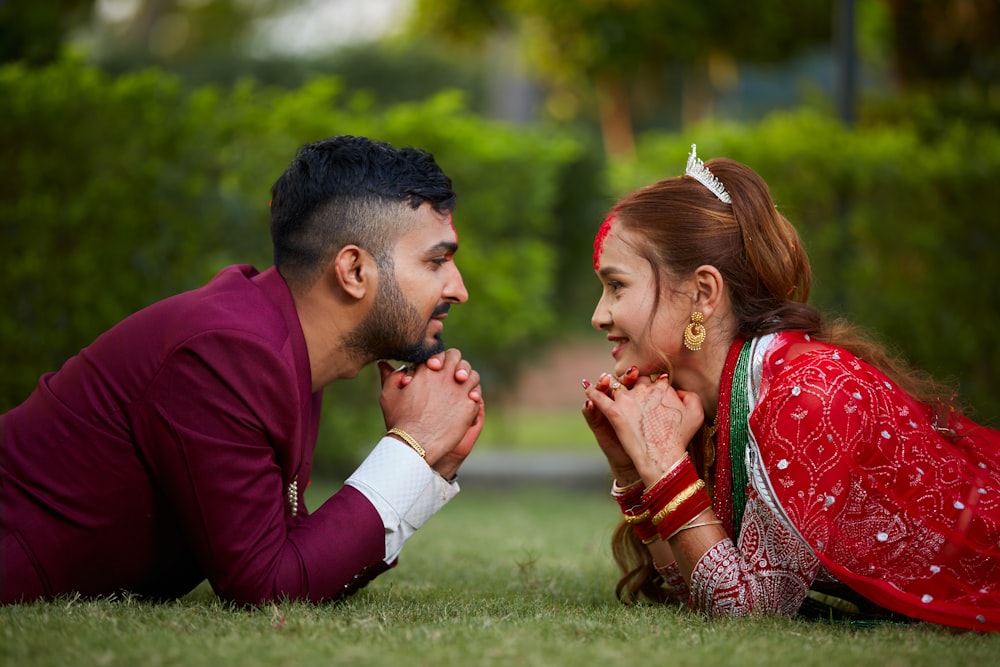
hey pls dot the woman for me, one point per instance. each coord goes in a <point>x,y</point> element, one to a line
<point>767,460</point>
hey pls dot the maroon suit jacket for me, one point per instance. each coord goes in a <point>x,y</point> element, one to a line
<point>162,454</point>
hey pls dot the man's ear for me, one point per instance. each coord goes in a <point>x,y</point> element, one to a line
<point>353,271</point>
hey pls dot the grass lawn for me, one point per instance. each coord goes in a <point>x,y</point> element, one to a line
<point>499,577</point>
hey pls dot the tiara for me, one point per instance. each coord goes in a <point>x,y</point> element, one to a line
<point>697,170</point>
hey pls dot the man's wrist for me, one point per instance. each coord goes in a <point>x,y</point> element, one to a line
<point>405,437</point>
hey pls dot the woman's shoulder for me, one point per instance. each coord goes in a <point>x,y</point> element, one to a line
<point>794,360</point>
<point>787,347</point>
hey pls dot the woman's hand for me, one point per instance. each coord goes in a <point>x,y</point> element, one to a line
<point>652,423</point>
<point>621,465</point>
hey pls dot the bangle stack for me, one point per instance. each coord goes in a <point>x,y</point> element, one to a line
<point>666,507</point>
<point>635,513</point>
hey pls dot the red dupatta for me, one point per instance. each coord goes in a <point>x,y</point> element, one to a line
<point>905,516</point>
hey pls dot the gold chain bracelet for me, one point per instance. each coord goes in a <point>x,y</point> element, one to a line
<point>408,439</point>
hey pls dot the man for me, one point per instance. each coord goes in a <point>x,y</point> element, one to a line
<point>177,446</point>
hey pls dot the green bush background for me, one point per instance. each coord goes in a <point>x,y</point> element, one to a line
<point>118,191</point>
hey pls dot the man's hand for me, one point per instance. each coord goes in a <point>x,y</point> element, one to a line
<point>439,403</point>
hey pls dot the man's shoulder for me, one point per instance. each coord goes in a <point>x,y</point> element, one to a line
<point>235,298</point>
<point>238,303</point>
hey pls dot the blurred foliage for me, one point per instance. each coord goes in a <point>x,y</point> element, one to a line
<point>121,189</point>
<point>568,38</point>
<point>178,33</point>
<point>958,44</point>
<point>599,54</point>
<point>118,191</point>
<point>34,32</point>
<point>899,220</point>
<point>390,71</point>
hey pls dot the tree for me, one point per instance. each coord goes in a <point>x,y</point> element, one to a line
<point>165,31</point>
<point>603,51</point>
<point>940,43</point>
<point>175,32</point>
<point>34,32</point>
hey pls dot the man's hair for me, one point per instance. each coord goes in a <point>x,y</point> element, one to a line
<point>349,190</point>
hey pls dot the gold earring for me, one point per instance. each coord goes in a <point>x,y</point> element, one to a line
<point>694,333</point>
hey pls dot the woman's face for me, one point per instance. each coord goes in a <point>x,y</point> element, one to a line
<point>639,336</point>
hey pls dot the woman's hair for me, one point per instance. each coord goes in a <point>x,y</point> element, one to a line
<point>677,225</point>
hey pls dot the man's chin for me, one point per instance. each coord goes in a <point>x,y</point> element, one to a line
<point>417,354</point>
<point>427,351</point>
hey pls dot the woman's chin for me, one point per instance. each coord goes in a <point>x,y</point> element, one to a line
<point>649,370</point>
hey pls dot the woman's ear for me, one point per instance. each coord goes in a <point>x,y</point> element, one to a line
<point>710,288</point>
<point>352,271</point>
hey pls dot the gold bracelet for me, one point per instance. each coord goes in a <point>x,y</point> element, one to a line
<point>693,525</point>
<point>408,439</point>
<point>636,518</point>
<point>677,501</point>
<point>618,490</point>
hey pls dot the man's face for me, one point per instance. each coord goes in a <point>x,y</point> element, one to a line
<point>414,295</point>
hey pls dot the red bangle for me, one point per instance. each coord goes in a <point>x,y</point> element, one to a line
<point>635,512</point>
<point>676,498</point>
<point>670,502</point>
<point>685,506</point>
<point>681,476</point>
<point>679,468</point>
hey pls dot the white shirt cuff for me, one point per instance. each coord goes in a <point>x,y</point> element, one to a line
<point>405,491</point>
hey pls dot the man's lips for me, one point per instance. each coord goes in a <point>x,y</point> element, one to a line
<point>439,315</point>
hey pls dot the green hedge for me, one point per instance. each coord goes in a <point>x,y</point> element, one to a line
<point>901,224</point>
<point>116,192</point>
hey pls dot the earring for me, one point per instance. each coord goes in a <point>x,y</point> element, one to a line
<point>694,333</point>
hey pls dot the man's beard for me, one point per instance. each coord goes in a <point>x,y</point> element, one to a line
<point>393,329</point>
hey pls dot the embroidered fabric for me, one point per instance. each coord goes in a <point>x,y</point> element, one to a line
<point>770,572</point>
<point>673,581</point>
<point>851,481</point>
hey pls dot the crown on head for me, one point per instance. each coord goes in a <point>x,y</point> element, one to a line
<point>697,170</point>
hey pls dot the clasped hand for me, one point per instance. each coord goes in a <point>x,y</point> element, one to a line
<point>439,403</point>
<point>643,425</point>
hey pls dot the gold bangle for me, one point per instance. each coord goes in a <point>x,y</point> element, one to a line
<point>693,525</point>
<point>678,500</point>
<point>408,439</point>
<point>618,490</point>
<point>636,518</point>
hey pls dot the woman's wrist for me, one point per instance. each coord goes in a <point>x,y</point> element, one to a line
<point>626,477</point>
<point>656,470</point>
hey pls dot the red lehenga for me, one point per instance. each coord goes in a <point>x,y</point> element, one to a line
<point>853,481</point>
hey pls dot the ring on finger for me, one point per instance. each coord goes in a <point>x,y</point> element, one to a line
<point>615,386</point>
